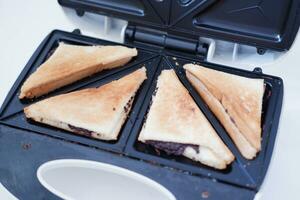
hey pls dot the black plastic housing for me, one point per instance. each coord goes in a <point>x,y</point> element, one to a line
<point>25,145</point>
<point>265,24</point>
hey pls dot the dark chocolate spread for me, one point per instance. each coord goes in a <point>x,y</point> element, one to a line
<point>128,105</point>
<point>231,119</point>
<point>172,147</point>
<point>81,131</point>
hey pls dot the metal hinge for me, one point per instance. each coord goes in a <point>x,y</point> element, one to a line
<point>165,40</point>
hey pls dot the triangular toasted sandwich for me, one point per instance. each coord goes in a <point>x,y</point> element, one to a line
<point>176,125</point>
<point>95,112</point>
<point>236,101</point>
<point>70,63</point>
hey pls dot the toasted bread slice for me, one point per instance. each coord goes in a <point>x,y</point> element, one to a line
<point>177,124</point>
<point>96,112</point>
<point>70,63</point>
<point>236,101</point>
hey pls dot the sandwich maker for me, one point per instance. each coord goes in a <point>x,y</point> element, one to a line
<point>167,34</point>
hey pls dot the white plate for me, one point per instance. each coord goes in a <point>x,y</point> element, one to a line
<point>82,179</point>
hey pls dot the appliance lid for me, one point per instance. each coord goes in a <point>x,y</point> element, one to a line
<point>265,24</point>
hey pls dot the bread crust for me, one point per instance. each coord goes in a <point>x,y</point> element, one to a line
<point>70,63</point>
<point>102,111</point>
<point>175,117</point>
<point>236,101</point>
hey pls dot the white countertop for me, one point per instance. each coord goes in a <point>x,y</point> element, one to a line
<point>24,24</point>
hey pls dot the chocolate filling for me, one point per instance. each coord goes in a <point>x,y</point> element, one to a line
<point>172,147</point>
<point>128,104</point>
<point>231,119</point>
<point>81,131</point>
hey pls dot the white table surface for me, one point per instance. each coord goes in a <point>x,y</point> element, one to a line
<point>24,24</point>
